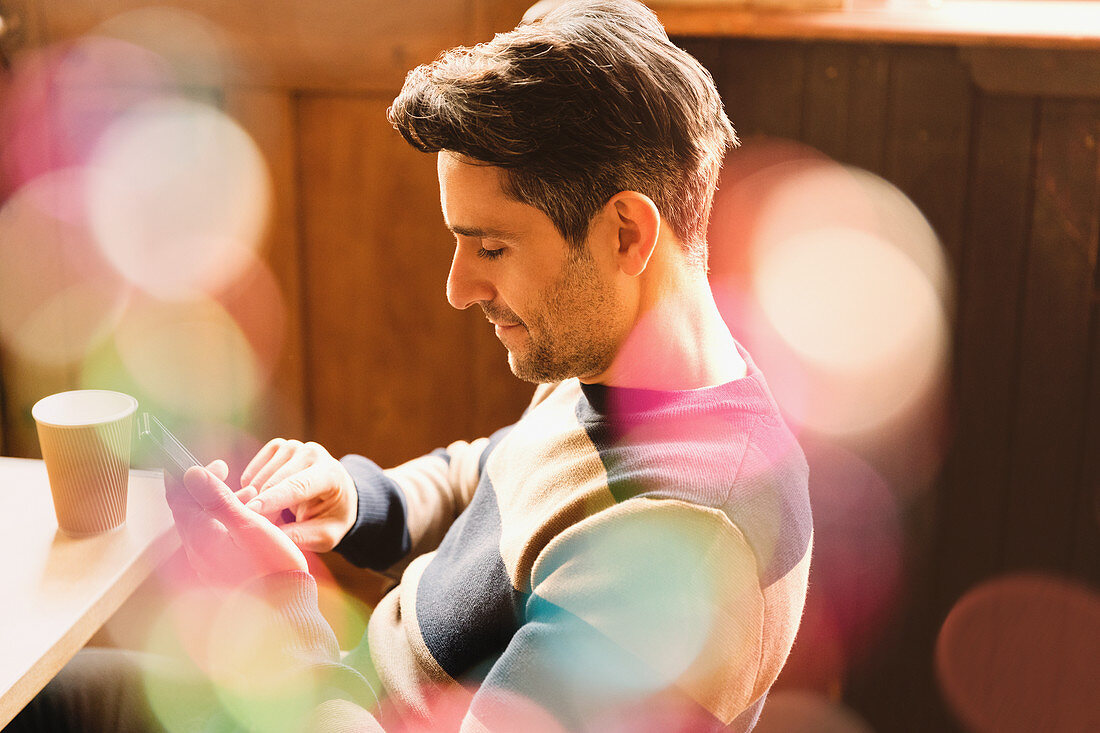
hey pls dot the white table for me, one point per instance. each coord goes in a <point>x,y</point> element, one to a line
<point>56,591</point>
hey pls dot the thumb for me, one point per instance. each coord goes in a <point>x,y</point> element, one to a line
<point>219,468</point>
<point>215,498</point>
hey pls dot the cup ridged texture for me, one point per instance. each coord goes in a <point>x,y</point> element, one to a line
<point>89,470</point>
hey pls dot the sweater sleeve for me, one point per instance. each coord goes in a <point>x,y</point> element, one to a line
<point>652,608</point>
<point>405,511</point>
<point>284,670</point>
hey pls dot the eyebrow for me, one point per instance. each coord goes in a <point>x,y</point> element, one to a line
<point>482,232</point>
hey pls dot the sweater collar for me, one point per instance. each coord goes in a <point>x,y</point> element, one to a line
<point>747,392</point>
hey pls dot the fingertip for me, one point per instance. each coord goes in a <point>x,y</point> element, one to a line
<point>220,469</point>
<point>196,473</point>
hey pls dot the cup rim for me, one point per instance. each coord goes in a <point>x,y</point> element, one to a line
<point>128,410</point>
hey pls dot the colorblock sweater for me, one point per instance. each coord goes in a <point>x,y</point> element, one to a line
<point>615,558</point>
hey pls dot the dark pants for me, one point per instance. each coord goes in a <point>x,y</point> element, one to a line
<point>112,690</point>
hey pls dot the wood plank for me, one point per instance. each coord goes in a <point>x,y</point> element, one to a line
<point>926,157</point>
<point>762,87</point>
<point>1018,23</point>
<point>1034,71</point>
<point>826,107</point>
<point>268,118</point>
<point>707,51</point>
<point>388,358</point>
<point>1087,545</point>
<point>869,92</point>
<point>41,257</point>
<point>1086,548</point>
<point>338,44</point>
<point>971,512</point>
<point>1049,424</point>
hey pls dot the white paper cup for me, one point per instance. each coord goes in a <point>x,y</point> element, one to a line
<point>85,438</point>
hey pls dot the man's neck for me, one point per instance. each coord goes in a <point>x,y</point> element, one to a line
<point>679,341</point>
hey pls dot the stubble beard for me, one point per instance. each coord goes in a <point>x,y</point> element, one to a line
<point>574,334</point>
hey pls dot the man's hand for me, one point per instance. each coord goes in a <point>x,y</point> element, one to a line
<point>289,474</point>
<point>226,543</point>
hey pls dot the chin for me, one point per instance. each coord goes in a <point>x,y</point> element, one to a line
<point>523,371</point>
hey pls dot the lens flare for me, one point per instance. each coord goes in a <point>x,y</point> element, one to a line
<point>190,357</point>
<point>192,47</point>
<point>246,652</point>
<point>178,198</point>
<point>255,302</point>
<point>791,711</point>
<point>857,565</point>
<point>505,710</point>
<point>345,613</point>
<point>836,283</point>
<point>59,100</point>
<point>181,633</point>
<point>1022,653</point>
<point>58,298</point>
<point>865,322</point>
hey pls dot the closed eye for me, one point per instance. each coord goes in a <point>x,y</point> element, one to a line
<point>490,254</point>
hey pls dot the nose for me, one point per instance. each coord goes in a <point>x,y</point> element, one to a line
<point>466,284</point>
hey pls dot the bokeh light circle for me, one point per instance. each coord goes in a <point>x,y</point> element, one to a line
<point>182,700</point>
<point>250,671</point>
<point>193,47</point>
<point>1022,653</point>
<point>838,286</point>
<point>178,197</point>
<point>804,711</point>
<point>58,298</point>
<point>191,357</point>
<point>60,99</point>
<point>865,321</point>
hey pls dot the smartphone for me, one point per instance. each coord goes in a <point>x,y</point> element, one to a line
<point>164,447</point>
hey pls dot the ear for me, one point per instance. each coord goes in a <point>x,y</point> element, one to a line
<point>639,224</point>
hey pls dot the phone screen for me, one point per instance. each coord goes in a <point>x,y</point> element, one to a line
<point>170,453</point>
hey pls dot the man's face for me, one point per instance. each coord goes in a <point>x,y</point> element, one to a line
<point>556,311</point>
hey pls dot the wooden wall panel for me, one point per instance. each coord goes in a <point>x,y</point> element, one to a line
<point>268,116</point>
<point>364,45</point>
<point>971,509</point>
<point>827,87</point>
<point>1086,557</point>
<point>869,92</point>
<point>846,101</point>
<point>495,16</point>
<point>1054,348</point>
<point>1026,283</point>
<point>762,87</point>
<point>35,251</point>
<point>929,134</point>
<point>926,156</point>
<point>26,382</point>
<point>389,359</point>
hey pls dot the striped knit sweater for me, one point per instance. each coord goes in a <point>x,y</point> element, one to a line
<point>615,559</point>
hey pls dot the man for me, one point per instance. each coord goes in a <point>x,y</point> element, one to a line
<point>633,553</point>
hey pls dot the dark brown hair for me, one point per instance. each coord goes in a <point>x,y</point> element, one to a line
<point>589,100</point>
